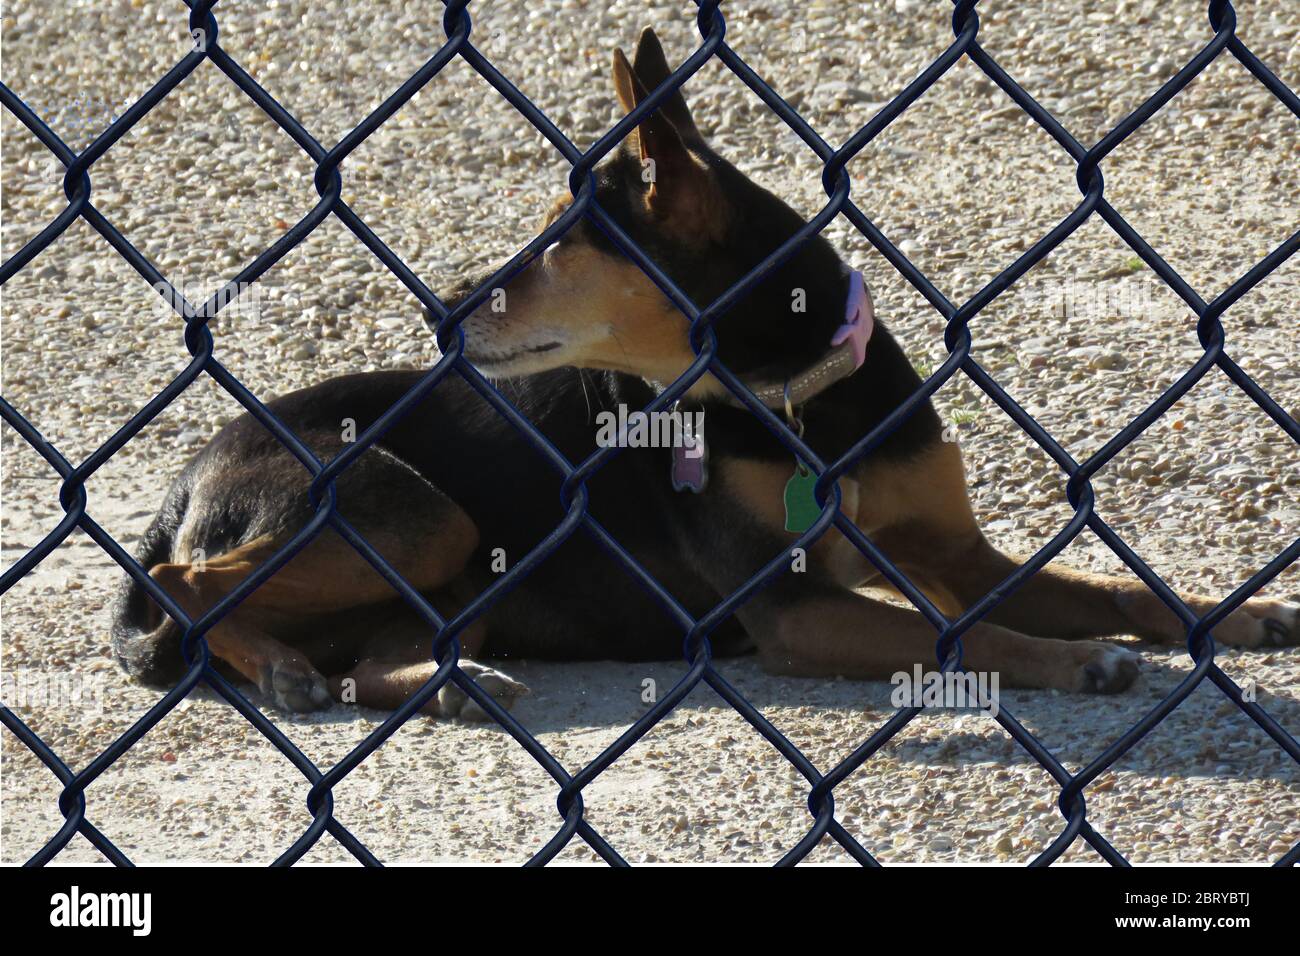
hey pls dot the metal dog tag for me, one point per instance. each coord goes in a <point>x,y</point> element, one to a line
<point>801,508</point>
<point>690,468</point>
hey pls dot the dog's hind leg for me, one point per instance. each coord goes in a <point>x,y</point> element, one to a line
<point>327,575</point>
<point>419,531</point>
<point>380,656</point>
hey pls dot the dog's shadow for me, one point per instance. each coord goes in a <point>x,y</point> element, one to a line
<point>1206,735</point>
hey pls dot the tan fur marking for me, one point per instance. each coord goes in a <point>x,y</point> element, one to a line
<point>327,575</point>
<point>925,494</point>
<point>759,486</point>
<point>853,636</point>
<point>624,82</point>
<point>606,310</point>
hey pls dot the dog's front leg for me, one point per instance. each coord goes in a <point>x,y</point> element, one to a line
<point>829,632</point>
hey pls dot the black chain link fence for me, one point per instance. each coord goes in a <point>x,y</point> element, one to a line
<point>821,804</point>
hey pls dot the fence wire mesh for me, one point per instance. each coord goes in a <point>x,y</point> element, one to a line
<point>203,27</point>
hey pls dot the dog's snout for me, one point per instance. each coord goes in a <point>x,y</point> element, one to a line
<point>452,297</point>
<point>458,292</point>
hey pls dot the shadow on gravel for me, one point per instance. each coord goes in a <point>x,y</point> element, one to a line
<point>1205,736</point>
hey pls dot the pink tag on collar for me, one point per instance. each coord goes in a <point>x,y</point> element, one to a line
<point>859,320</point>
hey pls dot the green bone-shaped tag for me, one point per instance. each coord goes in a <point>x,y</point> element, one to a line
<point>800,504</point>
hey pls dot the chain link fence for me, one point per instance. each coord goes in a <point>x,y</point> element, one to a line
<point>203,28</point>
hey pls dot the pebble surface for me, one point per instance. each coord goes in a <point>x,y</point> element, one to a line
<point>963,183</point>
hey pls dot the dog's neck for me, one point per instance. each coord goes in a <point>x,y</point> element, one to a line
<point>845,354</point>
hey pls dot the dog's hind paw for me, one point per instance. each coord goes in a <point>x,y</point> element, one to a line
<point>452,701</point>
<point>1107,670</point>
<point>295,686</point>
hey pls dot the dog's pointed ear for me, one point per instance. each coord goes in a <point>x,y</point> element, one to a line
<point>651,67</point>
<point>625,81</point>
<point>679,184</point>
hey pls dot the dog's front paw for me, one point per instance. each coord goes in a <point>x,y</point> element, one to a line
<point>295,686</point>
<point>452,701</point>
<point>1262,623</point>
<point>1104,669</point>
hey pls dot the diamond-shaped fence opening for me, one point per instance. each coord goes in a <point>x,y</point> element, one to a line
<point>962,323</point>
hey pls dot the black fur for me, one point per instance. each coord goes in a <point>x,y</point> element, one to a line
<point>579,603</point>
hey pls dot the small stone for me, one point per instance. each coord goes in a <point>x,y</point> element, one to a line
<point>1107,361</point>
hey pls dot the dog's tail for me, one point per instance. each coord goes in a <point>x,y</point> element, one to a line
<point>145,641</point>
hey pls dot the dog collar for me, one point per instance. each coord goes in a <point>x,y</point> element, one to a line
<point>847,353</point>
<point>848,350</point>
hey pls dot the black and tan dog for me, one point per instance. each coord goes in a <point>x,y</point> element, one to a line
<point>584,331</point>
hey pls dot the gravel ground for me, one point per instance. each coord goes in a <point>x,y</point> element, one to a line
<point>963,182</point>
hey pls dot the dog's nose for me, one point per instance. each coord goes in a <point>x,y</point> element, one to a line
<point>451,297</point>
<point>458,292</point>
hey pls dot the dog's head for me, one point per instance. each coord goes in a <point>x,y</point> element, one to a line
<point>584,303</point>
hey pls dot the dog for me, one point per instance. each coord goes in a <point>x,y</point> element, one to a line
<point>452,494</point>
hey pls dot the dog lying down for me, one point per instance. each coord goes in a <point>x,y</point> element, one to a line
<point>452,488</point>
